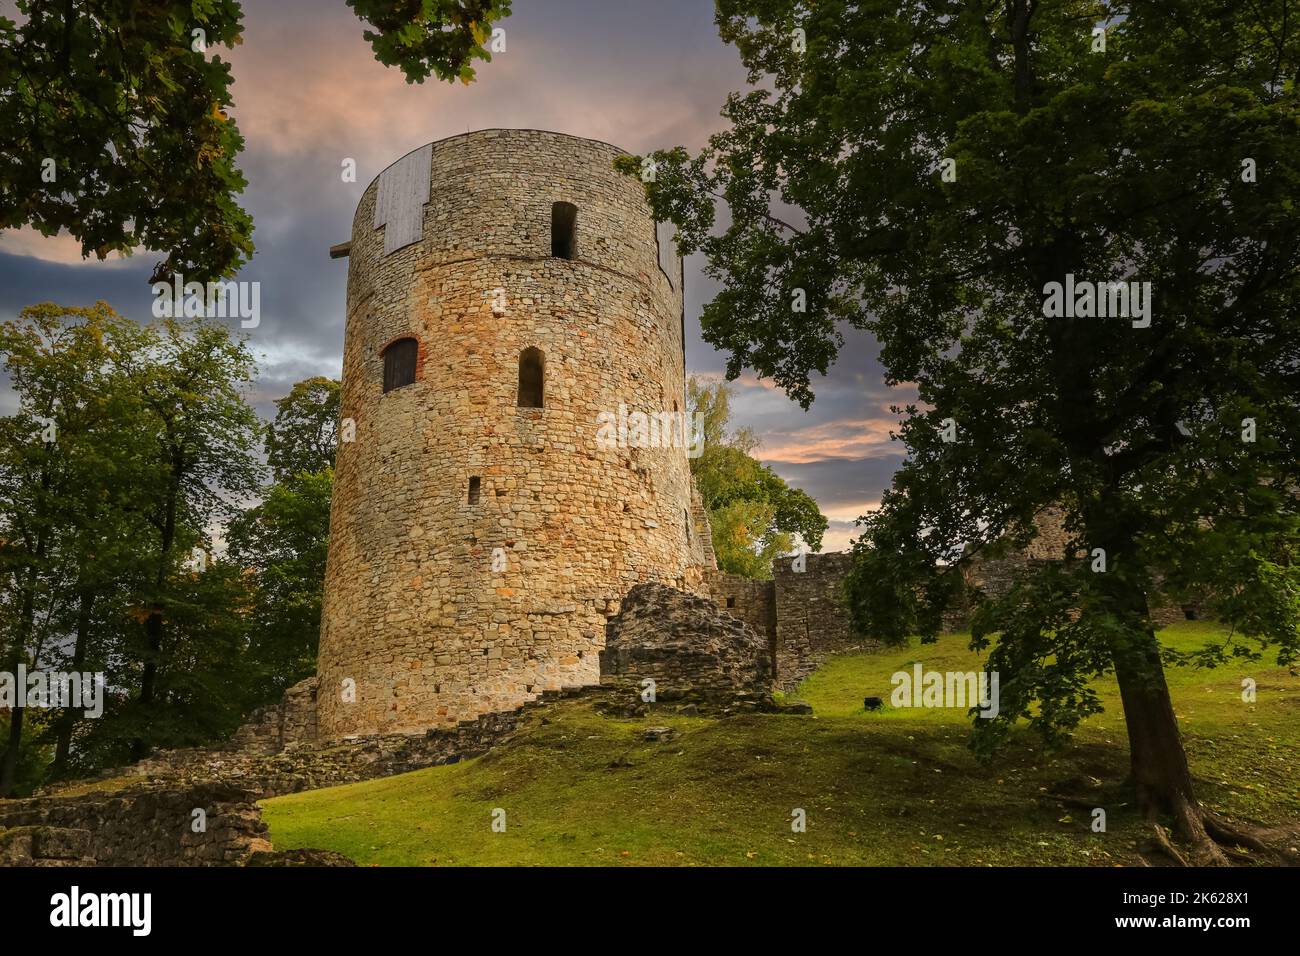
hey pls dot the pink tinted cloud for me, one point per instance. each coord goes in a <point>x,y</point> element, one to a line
<point>843,438</point>
<point>305,82</point>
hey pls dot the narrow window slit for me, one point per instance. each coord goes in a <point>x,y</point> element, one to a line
<point>564,230</point>
<point>532,371</point>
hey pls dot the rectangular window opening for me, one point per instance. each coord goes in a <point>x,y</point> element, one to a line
<point>564,230</point>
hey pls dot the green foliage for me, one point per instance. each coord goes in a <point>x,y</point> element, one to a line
<point>192,377</point>
<point>136,122</point>
<point>754,514</point>
<point>206,680</point>
<point>305,432</point>
<point>70,526</point>
<point>33,755</point>
<point>435,37</point>
<point>284,542</point>
<point>133,110</point>
<point>129,443</point>
<point>1115,165</point>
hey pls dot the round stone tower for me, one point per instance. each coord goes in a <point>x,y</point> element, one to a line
<point>511,308</point>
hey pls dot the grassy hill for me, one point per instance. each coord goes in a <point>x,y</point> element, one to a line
<point>893,787</point>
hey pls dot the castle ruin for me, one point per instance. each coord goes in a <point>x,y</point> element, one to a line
<point>505,288</point>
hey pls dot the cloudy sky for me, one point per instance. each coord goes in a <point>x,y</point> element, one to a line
<point>308,94</point>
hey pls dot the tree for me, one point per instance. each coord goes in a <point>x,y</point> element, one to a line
<point>928,171</point>
<point>191,377</point>
<point>305,433</point>
<point>29,477</point>
<point>101,105</point>
<point>128,445</point>
<point>440,38</point>
<point>753,513</point>
<point>283,542</point>
<point>115,125</point>
<point>69,462</point>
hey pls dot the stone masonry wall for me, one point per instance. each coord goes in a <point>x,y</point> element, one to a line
<point>811,619</point>
<point>149,822</point>
<point>1051,542</point>
<point>702,527</point>
<point>750,601</point>
<point>271,729</point>
<point>140,827</point>
<point>415,616</point>
<point>306,766</point>
<point>687,645</point>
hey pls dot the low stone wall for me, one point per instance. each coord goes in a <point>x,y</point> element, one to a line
<point>292,720</point>
<point>150,823</point>
<point>134,827</point>
<point>812,620</point>
<point>748,600</point>
<point>800,614</point>
<point>995,577</point>
<point>313,766</point>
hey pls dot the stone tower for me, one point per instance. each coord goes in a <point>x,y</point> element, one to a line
<point>505,288</point>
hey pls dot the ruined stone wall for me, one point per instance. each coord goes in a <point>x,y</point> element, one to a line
<point>687,645</point>
<point>995,576</point>
<point>812,621</point>
<point>142,827</point>
<point>307,766</point>
<point>800,614</point>
<point>1051,540</point>
<point>292,720</point>
<point>704,529</point>
<point>414,612</point>
<point>750,601</point>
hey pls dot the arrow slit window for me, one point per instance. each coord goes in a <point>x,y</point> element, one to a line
<point>564,230</point>
<point>532,371</point>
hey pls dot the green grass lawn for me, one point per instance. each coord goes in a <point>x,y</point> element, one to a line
<point>893,787</point>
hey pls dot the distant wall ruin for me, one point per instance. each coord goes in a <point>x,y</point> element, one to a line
<point>801,613</point>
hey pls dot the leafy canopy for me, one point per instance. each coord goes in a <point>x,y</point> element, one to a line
<point>305,432</point>
<point>1170,157</point>
<point>115,118</point>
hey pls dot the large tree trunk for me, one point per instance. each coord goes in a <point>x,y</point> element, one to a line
<point>1157,759</point>
<point>9,762</point>
<point>149,674</point>
<point>9,765</point>
<point>1159,772</point>
<point>26,625</point>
